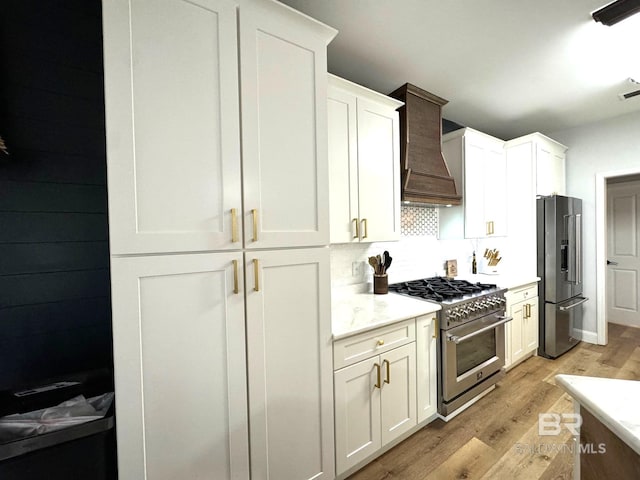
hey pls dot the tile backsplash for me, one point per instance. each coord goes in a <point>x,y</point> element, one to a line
<point>418,221</point>
<point>418,253</point>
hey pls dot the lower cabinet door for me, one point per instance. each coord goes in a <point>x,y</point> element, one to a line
<point>398,405</point>
<point>180,373</point>
<point>290,365</point>
<point>357,410</point>
<point>427,381</point>
<point>531,333</point>
<point>517,328</point>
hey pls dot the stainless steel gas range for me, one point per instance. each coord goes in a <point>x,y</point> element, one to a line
<point>472,344</point>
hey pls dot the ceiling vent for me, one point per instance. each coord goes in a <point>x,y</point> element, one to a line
<point>635,93</point>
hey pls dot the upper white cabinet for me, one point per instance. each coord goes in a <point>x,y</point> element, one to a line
<point>364,164</point>
<point>173,126</point>
<point>477,162</point>
<point>172,110</point>
<point>283,78</point>
<point>535,166</point>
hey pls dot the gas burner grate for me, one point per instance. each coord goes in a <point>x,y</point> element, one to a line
<point>439,289</point>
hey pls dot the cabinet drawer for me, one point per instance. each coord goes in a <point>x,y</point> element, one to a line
<point>520,294</point>
<point>348,351</point>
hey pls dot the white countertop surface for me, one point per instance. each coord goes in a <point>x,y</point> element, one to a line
<point>358,312</point>
<point>502,280</point>
<point>612,401</point>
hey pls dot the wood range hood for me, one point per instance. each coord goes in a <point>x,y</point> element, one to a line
<point>425,176</point>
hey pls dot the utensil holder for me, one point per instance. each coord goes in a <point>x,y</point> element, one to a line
<point>380,284</point>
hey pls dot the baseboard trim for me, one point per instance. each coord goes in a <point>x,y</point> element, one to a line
<point>586,336</point>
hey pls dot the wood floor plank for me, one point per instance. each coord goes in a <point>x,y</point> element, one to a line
<point>508,415</point>
<point>616,357</point>
<point>471,461</point>
<point>532,454</point>
<point>631,368</point>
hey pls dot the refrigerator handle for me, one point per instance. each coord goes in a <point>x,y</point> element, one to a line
<point>578,248</point>
<point>571,233</point>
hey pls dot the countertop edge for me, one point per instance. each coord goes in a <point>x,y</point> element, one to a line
<point>432,309</point>
<point>628,437</point>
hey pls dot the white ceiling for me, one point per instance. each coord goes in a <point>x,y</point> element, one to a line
<point>507,67</point>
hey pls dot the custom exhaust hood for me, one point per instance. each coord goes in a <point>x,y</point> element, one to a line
<point>425,176</point>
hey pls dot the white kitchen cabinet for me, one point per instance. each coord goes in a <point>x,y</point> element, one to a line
<point>535,166</point>
<point>172,121</point>
<point>283,65</point>
<point>364,168</point>
<point>173,126</point>
<point>521,333</point>
<point>290,369</point>
<point>477,162</point>
<point>375,402</point>
<point>427,332</point>
<point>175,187</point>
<point>180,373</point>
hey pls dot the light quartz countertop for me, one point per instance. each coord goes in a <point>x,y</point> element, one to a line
<point>612,401</point>
<point>502,280</point>
<point>359,312</point>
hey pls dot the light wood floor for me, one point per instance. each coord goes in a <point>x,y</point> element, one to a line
<point>489,440</point>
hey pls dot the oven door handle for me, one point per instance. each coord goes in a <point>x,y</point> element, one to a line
<point>456,339</point>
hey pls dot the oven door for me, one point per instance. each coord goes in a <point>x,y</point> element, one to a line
<point>472,353</point>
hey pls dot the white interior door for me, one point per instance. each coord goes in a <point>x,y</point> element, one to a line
<point>623,232</point>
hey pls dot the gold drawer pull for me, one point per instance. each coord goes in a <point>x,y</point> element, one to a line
<point>254,213</point>
<point>256,274</point>
<point>357,229</point>
<point>380,342</point>
<point>388,379</point>
<point>435,327</point>
<point>234,226</point>
<point>366,234</point>
<point>378,384</point>
<point>235,277</point>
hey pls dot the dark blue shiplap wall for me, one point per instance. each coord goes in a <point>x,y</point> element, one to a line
<point>55,313</point>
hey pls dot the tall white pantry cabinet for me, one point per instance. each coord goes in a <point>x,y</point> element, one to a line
<point>218,201</point>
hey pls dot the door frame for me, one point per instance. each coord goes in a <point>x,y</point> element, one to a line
<point>601,248</point>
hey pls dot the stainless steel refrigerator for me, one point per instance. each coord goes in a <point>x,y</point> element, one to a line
<point>559,227</point>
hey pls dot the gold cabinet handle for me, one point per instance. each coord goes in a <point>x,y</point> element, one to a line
<point>366,234</point>
<point>388,379</point>
<point>526,311</point>
<point>234,225</point>
<point>380,342</point>
<point>492,227</point>
<point>357,229</point>
<point>235,277</point>
<point>487,229</point>
<point>254,213</point>
<point>256,275</point>
<point>378,384</point>
<point>435,328</point>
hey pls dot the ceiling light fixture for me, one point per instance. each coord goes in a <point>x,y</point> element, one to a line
<point>616,12</point>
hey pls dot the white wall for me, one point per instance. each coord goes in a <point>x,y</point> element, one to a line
<point>600,147</point>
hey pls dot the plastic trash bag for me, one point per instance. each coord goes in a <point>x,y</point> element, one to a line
<point>69,413</point>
